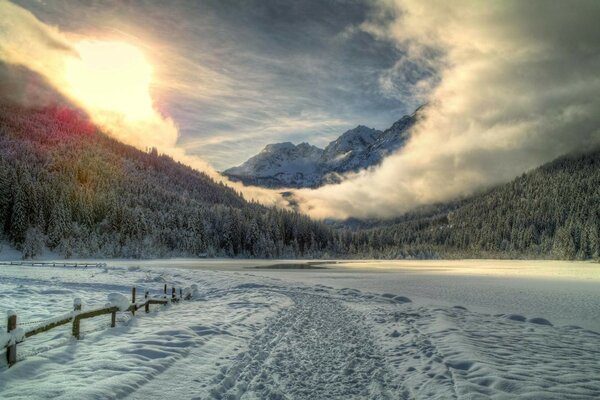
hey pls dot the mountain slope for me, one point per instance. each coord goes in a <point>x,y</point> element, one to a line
<point>282,162</point>
<point>67,186</point>
<point>343,154</point>
<point>550,212</point>
<point>286,165</point>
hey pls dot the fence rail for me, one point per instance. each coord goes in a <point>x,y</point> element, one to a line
<point>53,264</point>
<point>16,334</point>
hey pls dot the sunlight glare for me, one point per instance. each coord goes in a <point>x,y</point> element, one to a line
<point>111,76</point>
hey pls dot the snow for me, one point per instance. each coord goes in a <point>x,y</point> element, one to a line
<point>119,301</point>
<point>9,253</point>
<point>304,165</point>
<point>347,332</point>
<point>285,161</point>
<point>4,338</point>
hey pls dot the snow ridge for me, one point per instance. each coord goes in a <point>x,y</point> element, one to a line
<point>305,165</point>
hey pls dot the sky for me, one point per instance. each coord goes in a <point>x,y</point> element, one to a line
<point>518,87</point>
<point>508,85</point>
<point>237,75</point>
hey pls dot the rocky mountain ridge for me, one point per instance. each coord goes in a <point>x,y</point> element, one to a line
<point>304,165</point>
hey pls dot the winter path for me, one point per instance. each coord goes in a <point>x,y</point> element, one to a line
<point>252,336</point>
<point>317,348</point>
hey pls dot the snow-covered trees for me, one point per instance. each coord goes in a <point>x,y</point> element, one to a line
<point>80,193</point>
<point>551,212</point>
<point>33,245</point>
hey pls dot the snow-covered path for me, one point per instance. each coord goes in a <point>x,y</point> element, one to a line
<point>247,336</point>
<point>317,348</point>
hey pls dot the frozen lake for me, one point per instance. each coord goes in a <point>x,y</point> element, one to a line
<point>566,293</point>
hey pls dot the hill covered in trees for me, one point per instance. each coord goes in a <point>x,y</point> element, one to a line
<point>69,187</point>
<point>550,212</point>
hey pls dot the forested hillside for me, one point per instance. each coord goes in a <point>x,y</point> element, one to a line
<point>71,188</point>
<point>66,186</point>
<point>551,212</point>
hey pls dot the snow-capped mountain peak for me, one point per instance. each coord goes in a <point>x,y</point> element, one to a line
<point>353,140</point>
<point>304,165</point>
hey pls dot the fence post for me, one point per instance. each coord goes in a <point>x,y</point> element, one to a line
<point>113,319</point>
<point>173,294</point>
<point>76,326</point>
<point>77,304</point>
<point>133,300</point>
<point>147,305</point>
<point>11,351</point>
<point>76,321</point>
<point>165,289</point>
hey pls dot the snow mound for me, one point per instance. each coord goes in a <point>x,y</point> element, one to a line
<point>119,301</point>
<point>402,299</point>
<point>4,339</point>
<point>516,317</point>
<point>539,321</point>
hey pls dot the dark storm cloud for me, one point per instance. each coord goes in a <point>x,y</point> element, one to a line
<point>236,75</point>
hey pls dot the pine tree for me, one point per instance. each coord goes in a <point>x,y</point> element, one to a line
<point>33,245</point>
<point>19,217</point>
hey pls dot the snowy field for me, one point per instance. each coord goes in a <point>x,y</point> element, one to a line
<point>352,330</point>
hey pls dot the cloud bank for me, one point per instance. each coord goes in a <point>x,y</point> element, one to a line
<point>517,85</point>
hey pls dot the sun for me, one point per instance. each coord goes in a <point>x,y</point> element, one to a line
<point>110,77</point>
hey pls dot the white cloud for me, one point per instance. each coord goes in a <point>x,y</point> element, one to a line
<point>518,86</point>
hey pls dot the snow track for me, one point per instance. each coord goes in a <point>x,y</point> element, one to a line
<point>451,353</point>
<point>318,348</point>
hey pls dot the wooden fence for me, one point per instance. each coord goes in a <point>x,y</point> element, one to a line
<point>53,264</point>
<point>18,335</point>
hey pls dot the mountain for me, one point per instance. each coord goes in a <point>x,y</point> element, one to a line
<point>282,162</point>
<point>288,165</point>
<point>346,152</point>
<point>67,186</point>
<point>550,212</point>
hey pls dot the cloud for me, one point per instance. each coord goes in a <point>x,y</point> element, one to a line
<point>230,68</point>
<point>26,42</point>
<point>509,85</point>
<point>515,85</point>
